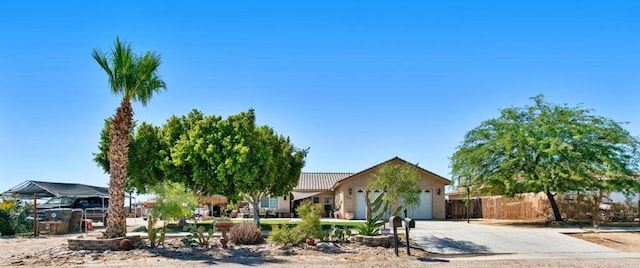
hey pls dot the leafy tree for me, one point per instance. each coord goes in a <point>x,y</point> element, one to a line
<point>275,164</point>
<point>234,157</point>
<point>209,155</point>
<point>136,79</point>
<point>548,148</point>
<point>400,184</point>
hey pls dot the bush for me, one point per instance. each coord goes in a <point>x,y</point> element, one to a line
<point>310,227</point>
<point>6,223</point>
<point>282,234</point>
<point>246,233</point>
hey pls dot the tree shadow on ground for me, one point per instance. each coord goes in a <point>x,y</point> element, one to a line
<point>241,256</point>
<point>449,246</point>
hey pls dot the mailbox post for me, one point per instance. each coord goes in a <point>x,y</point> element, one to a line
<point>409,223</point>
<point>395,222</point>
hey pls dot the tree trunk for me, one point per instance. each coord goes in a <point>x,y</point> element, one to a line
<point>554,206</point>
<point>256,212</point>
<point>367,205</point>
<point>118,158</point>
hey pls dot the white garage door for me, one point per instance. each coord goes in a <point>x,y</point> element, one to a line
<point>425,210</point>
<point>361,204</point>
<point>361,212</point>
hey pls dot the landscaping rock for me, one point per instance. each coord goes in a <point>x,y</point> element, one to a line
<point>328,247</point>
<point>142,229</point>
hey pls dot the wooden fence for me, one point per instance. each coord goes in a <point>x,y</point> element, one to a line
<point>536,207</point>
<point>457,209</point>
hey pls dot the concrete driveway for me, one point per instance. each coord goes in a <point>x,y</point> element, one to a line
<point>459,237</point>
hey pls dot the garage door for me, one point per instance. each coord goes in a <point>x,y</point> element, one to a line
<point>361,204</point>
<point>361,212</point>
<point>425,210</point>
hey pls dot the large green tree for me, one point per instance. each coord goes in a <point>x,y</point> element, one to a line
<point>236,158</point>
<point>211,155</point>
<point>135,78</point>
<point>548,148</point>
<point>150,160</point>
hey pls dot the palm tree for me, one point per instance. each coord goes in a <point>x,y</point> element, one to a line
<point>136,79</point>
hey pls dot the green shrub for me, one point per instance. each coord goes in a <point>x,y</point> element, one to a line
<point>246,233</point>
<point>197,232</point>
<point>310,226</point>
<point>6,223</point>
<point>282,234</point>
<point>339,234</point>
<point>370,227</point>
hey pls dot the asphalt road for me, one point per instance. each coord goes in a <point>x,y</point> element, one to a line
<point>461,239</point>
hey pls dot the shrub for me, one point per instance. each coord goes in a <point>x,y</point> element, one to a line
<point>282,234</point>
<point>310,227</point>
<point>246,233</point>
<point>339,234</point>
<point>6,223</point>
<point>198,232</point>
<point>369,228</point>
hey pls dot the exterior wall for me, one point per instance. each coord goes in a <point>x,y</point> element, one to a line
<point>283,203</point>
<point>360,181</point>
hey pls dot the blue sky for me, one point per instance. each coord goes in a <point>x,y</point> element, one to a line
<point>358,83</point>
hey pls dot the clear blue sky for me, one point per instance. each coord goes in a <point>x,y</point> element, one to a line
<point>358,83</point>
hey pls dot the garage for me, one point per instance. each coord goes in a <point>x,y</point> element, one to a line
<point>424,211</point>
<point>349,190</point>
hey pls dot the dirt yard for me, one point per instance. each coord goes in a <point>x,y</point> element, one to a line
<point>627,242</point>
<point>53,251</point>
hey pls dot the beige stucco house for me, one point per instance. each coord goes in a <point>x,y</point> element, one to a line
<point>342,194</point>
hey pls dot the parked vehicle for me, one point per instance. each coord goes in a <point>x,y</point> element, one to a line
<point>95,208</point>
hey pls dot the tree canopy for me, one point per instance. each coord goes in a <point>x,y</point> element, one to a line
<point>548,148</point>
<point>211,155</point>
<point>400,184</point>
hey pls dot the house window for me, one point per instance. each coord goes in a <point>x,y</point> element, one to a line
<point>269,202</point>
<point>316,200</point>
<point>328,203</point>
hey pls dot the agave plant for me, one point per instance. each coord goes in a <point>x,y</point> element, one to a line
<point>379,209</point>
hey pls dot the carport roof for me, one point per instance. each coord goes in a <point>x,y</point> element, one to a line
<point>56,189</point>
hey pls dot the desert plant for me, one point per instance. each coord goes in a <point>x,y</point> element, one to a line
<point>246,233</point>
<point>152,232</point>
<point>197,234</point>
<point>310,227</point>
<point>339,234</point>
<point>372,226</point>
<point>282,234</point>
<point>369,228</point>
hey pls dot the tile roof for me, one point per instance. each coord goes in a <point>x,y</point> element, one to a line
<point>319,181</point>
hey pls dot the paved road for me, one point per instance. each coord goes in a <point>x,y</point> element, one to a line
<point>505,242</point>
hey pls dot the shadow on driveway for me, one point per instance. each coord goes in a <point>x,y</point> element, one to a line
<point>449,246</point>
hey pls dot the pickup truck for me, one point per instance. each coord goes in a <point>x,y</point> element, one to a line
<point>95,208</point>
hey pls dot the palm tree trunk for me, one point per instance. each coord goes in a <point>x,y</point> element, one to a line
<point>118,158</point>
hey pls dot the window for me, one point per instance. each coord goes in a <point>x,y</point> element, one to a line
<point>269,202</point>
<point>328,203</point>
<point>316,200</point>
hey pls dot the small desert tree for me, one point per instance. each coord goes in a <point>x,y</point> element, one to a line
<point>400,184</point>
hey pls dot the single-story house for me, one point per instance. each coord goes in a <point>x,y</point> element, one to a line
<point>342,194</point>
